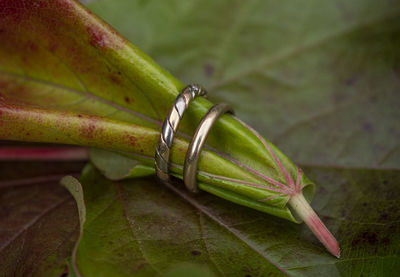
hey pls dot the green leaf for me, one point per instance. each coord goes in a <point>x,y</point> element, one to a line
<point>75,188</point>
<point>318,78</point>
<point>117,167</point>
<point>38,219</point>
<point>68,77</point>
<point>187,269</point>
<point>142,228</point>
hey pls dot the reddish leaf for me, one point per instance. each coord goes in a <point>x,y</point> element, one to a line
<point>38,218</point>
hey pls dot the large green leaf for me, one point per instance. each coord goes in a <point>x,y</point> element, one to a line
<point>68,77</point>
<point>318,78</point>
<point>138,227</point>
<point>38,221</point>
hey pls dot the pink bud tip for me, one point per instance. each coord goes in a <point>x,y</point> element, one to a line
<point>304,210</point>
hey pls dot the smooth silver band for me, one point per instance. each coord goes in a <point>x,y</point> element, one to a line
<point>170,126</point>
<point>197,143</point>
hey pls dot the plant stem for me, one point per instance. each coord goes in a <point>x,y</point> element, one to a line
<point>304,210</point>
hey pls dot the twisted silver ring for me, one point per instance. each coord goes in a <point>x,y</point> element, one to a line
<point>197,143</point>
<point>171,125</point>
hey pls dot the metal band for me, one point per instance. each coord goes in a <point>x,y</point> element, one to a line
<point>171,125</point>
<point>196,145</point>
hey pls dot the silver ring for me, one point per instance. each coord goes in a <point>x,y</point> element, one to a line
<point>171,125</point>
<point>197,143</point>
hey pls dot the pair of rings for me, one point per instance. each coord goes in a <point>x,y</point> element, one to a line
<point>170,127</point>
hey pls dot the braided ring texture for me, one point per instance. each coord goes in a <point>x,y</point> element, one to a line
<point>170,127</point>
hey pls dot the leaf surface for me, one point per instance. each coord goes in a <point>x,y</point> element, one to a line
<point>141,227</point>
<point>38,218</point>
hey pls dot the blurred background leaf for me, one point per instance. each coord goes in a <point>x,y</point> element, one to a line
<point>321,79</point>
